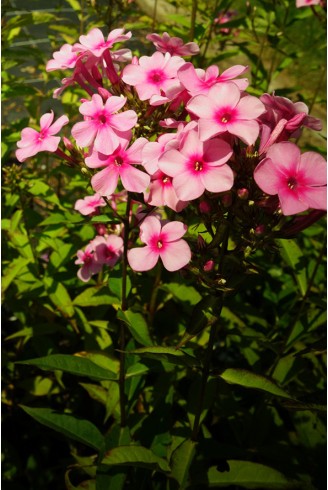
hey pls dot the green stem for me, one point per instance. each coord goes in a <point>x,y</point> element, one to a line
<point>124,307</point>
<point>193,20</point>
<point>152,302</point>
<point>154,15</point>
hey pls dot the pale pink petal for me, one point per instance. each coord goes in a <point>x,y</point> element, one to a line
<point>176,256</point>
<point>28,136</point>
<point>218,179</point>
<point>173,230</point>
<point>84,133</point>
<point>225,94</point>
<point>146,90</point>
<point>171,162</point>
<point>106,140</point>
<point>57,125</point>
<point>142,259</point>
<point>93,38</point>
<point>247,131</point>
<point>191,144</point>
<point>105,181</point>
<point>315,197</point>
<point>217,152</point>
<point>134,153</point>
<point>188,186</point>
<point>233,72</point>
<point>250,107</point>
<point>97,159</point>
<point>134,180</point>
<point>289,202</point>
<point>114,104</point>
<point>150,226</point>
<point>93,106</point>
<point>46,120</point>
<point>50,143</point>
<point>286,156</point>
<point>201,106</point>
<point>208,128</point>
<point>23,153</point>
<point>313,168</point>
<point>133,75</point>
<point>124,120</point>
<point>268,177</point>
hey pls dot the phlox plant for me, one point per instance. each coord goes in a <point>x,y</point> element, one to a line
<point>188,175</point>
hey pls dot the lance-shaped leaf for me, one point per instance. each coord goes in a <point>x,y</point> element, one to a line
<point>78,429</point>
<point>135,456</point>
<point>95,297</point>
<point>80,366</point>
<point>137,326</point>
<point>294,257</point>
<point>167,354</point>
<point>248,379</point>
<point>246,474</point>
<point>181,460</point>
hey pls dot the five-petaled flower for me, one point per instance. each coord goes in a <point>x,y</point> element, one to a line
<point>102,126</point>
<point>299,180</point>
<point>32,141</point>
<point>162,241</point>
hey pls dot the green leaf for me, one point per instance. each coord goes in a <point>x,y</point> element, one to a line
<point>96,392</point>
<point>183,292</point>
<point>294,257</point>
<point>137,326</point>
<point>248,379</point>
<point>135,456</point>
<point>167,354</point>
<point>79,366</point>
<point>249,475</point>
<point>95,296</point>
<point>78,429</point>
<point>181,460</point>
<point>85,485</point>
<point>12,271</point>
<point>59,296</point>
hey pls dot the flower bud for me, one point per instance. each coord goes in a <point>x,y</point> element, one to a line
<point>68,144</point>
<point>101,229</point>
<point>243,193</point>
<point>226,200</point>
<point>204,207</point>
<point>259,230</point>
<point>208,266</point>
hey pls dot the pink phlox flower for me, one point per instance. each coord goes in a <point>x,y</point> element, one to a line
<point>108,249</point>
<point>224,110</point>
<point>162,241</point>
<point>154,75</point>
<point>307,3</point>
<point>89,204</point>
<point>286,115</point>
<point>103,126</point>
<point>161,193</point>
<point>90,266</point>
<point>298,180</point>
<point>173,45</point>
<point>224,17</point>
<point>154,149</point>
<point>32,141</point>
<point>66,57</point>
<point>198,166</point>
<point>119,164</point>
<point>198,81</point>
<point>95,42</point>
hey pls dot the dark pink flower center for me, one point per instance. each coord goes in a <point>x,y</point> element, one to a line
<point>292,183</point>
<point>42,135</point>
<point>102,118</point>
<point>109,253</point>
<point>166,179</point>
<point>225,117</point>
<point>158,243</point>
<point>156,76</point>
<point>119,161</point>
<point>88,258</point>
<point>198,166</point>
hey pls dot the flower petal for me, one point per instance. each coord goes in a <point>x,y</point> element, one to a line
<point>176,256</point>
<point>142,259</point>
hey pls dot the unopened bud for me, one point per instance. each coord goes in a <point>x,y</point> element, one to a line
<point>68,144</point>
<point>204,207</point>
<point>243,193</point>
<point>104,93</point>
<point>226,200</point>
<point>259,230</point>
<point>208,266</point>
<point>101,229</point>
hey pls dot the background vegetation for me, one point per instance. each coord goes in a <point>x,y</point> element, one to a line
<point>263,424</point>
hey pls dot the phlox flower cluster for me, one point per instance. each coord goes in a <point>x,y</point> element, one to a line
<point>178,144</point>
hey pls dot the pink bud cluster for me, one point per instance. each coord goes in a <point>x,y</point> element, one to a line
<point>171,133</point>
